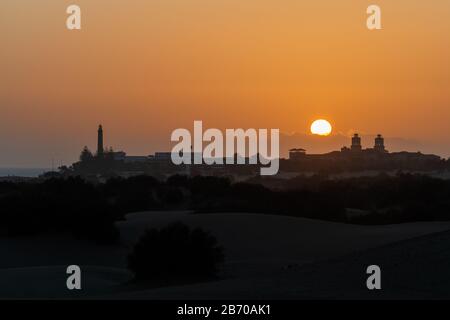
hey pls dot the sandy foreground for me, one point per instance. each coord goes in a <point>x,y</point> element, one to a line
<point>267,257</point>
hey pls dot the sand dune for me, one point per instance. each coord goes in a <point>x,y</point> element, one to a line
<point>413,258</point>
<point>278,241</point>
<point>266,257</point>
<point>416,268</point>
<point>49,282</point>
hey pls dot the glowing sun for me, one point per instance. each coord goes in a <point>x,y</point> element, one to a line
<point>321,127</point>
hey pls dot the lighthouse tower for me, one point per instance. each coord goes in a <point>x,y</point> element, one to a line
<point>100,141</point>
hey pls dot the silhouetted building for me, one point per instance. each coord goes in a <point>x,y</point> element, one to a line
<point>379,144</point>
<point>349,159</point>
<point>356,143</point>
<point>100,141</point>
<point>163,156</point>
<point>136,159</point>
<point>356,158</point>
<point>119,156</point>
<point>297,154</point>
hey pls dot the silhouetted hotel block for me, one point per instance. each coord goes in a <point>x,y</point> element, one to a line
<point>357,147</point>
<point>356,158</point>
<point>297,153</point>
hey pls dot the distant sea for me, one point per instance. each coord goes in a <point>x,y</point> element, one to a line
<point>22,172</point>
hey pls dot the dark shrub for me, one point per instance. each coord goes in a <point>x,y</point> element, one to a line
<point>175,252</point>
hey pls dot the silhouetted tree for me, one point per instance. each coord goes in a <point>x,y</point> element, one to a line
<point>175,252</point>
<point>85,209</point>
<point>86,155</point>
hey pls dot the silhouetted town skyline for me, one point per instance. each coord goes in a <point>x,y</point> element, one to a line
<point>108,162</point>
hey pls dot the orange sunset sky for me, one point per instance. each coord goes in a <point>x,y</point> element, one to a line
<point>143,68</point>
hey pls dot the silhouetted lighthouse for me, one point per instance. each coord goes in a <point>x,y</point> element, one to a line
<point>100,141</point>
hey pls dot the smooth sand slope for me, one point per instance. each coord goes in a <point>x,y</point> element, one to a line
<point>272,257</point>
<point>50,282</point>
<point>266,257</point>
<point>265,242</point>
<point>417,268</point>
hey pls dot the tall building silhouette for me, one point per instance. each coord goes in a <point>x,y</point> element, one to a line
<point>379,143</point>
<point>356,143</point>
<point>100,141</point>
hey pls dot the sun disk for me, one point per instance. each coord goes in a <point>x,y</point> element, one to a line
<point>321,127</point>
